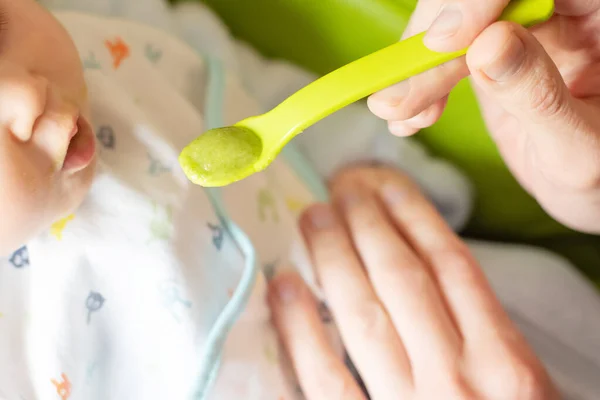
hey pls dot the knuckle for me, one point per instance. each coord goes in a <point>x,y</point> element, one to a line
<point>453,383</point>
<point>459,389</point>
<point>419,103</point>
<point>416,276</point>
<point>371,321</point>
<point>427,117</point>
<point>394,105</point>
<point>371,222</point>
<point>456,266</point>
<point>546,97</point>
<point>333,386</point>
<point>522,379</point>
<point>410,109</point>
<point>323,380</point>
<point>527,384</point>
<point>349,177</point>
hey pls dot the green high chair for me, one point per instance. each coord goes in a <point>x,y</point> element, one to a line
<point>321,35</point>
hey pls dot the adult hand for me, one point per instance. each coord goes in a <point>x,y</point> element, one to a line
<point>539,91</point>
<point>413,308</point>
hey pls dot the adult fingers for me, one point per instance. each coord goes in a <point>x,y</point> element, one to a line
<point>364,325</point>
<point>422,120</point>
<point>496,361</point>
<point>421,95</point>
<point>451,25</point>
<point>472,303</point>
<point>402,281</point>
<point>321,373</point>
<point>424,92</point>
<point>493,353</point>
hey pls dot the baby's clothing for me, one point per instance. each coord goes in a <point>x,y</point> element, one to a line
<point>155,288</point>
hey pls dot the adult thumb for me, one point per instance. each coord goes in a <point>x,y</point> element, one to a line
<point>512,67</point>
<point>513,70</point>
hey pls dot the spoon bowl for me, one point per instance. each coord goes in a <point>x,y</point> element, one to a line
<point>212,158</point>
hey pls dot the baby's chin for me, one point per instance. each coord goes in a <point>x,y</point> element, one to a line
<point>67,197</point>
<point>32,219</point>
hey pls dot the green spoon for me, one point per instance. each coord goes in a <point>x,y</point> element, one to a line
<point>225,155</point>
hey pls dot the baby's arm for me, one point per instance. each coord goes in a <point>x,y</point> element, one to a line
<point>353,135</point>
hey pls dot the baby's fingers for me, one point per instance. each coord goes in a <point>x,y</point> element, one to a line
<point>321,373</point>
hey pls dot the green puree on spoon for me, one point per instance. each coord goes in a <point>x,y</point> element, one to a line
<point>223,156</point>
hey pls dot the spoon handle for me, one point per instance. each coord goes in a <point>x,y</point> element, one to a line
<point>377,71</point>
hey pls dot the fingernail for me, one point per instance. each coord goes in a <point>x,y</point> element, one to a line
<point>506,62</point>
<point>393,194</point>
<point>286,291</point>
<point>321,217</point>
<point>446,24</point>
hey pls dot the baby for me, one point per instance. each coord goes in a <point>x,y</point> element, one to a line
<point>122,280</point>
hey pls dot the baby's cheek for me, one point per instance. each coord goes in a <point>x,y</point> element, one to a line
<point>25,191</point>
